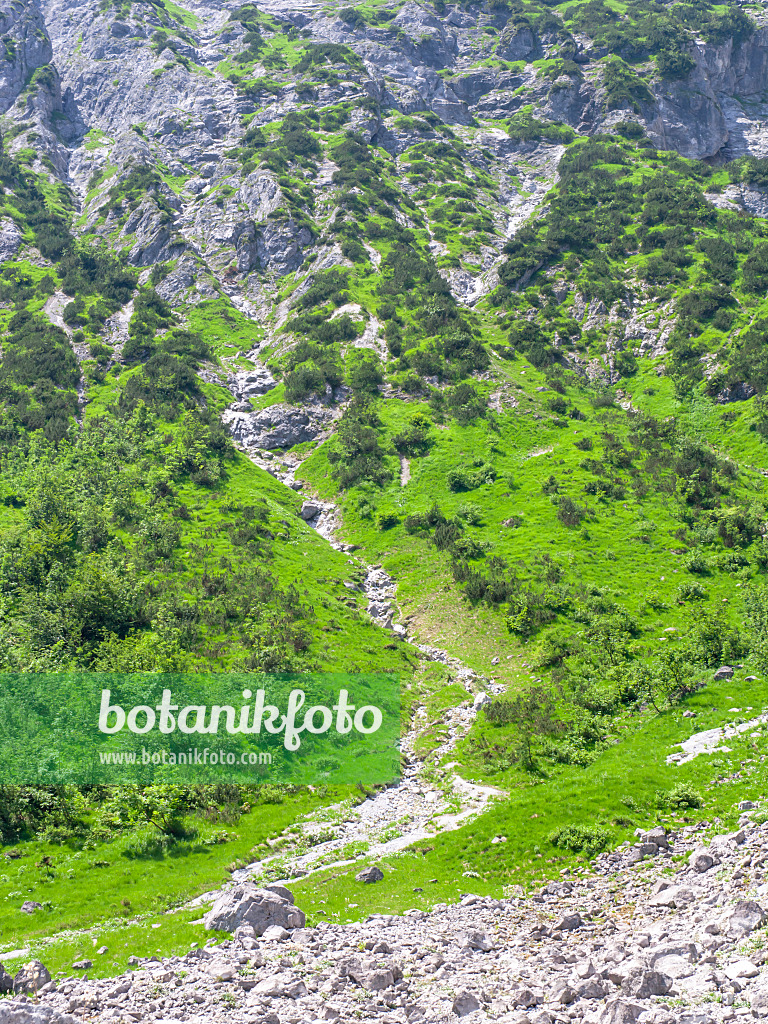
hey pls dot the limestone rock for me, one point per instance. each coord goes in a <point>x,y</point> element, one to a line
<point>465,1002</point>
<point>31,978</point>
<point>742,919</point>
<point>259,908</point>
<point>370,874</point>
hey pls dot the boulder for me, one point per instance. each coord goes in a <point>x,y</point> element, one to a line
<point>12,1012</point>
<point>475,940</point>
<point>370,874</point>
<point>619,1011</point>
<point>465,1002</point>
<point>568,923</point>
<point>246,937</point>
<point>372,979</point>
<point>260,908</point>
<point>563,993</point>
<point>743,918</point>
<point>309,510</point>
<point>281,890</point>
<point>742,969</point>
<point>656,835</point>
<point>724,672</point>
<point>284,986</point>
<point>29,907</point>
<point>30,978</point>
<point>701,860</point>
<point>643,984</point>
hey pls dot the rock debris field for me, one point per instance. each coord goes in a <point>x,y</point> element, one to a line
<point>671,930</point>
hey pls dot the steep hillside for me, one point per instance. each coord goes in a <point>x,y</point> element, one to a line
<point>424,338</point>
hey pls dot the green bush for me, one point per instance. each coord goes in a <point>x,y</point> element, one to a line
<point>386,520</point>
<point>588,839</point>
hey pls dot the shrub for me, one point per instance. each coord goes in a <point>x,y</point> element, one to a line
<point>568,512</point>
<point>681,795</point>
<point>386,520</point>
<point>589,839</point>
<point>470,513</point>
<point>696,563</point>
<point>467,478</point>
<point>691,592</point>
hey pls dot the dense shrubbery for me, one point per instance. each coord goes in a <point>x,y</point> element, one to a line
<point>356,454</point>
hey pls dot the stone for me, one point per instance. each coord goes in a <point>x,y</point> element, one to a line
<point>742,969</point>
<point>309,510</point>
<point>30,906</point>
<point>82,965</point>
<point>246,904</point>
<point>221,971</point>
<point>563,993</point>
<point>30,978</point>
<point>747,805</point>
<point>674,965</point>
<point>283,985</point>
<point>370,874</point>
<point>644,984</point>
<point>657,836</point>
<point>465,1002</point>
<point>743,918</point>
<point>476,940</point>
<point>568,923</point>
<point>281,891</point>
<point>724,672</point>
<point>276,934</point>
<point>619,1011</point>
<point>12,1012</point>
<point>701,861</point>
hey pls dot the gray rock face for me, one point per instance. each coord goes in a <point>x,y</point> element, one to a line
<point>27,47</point>
<point>279,426</point>
<point>259,908</point>
<point>518,43</point>
<point>10,239</point>
<point>738,393</point>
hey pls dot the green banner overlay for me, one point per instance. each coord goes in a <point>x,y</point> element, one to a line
<point>81,727</point>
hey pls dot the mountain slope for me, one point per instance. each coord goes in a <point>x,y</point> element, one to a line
<point>413,337</point>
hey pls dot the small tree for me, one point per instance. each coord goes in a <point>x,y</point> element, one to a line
<point>533,712</point>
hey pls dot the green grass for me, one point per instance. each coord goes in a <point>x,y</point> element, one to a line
<point>120,885</point>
